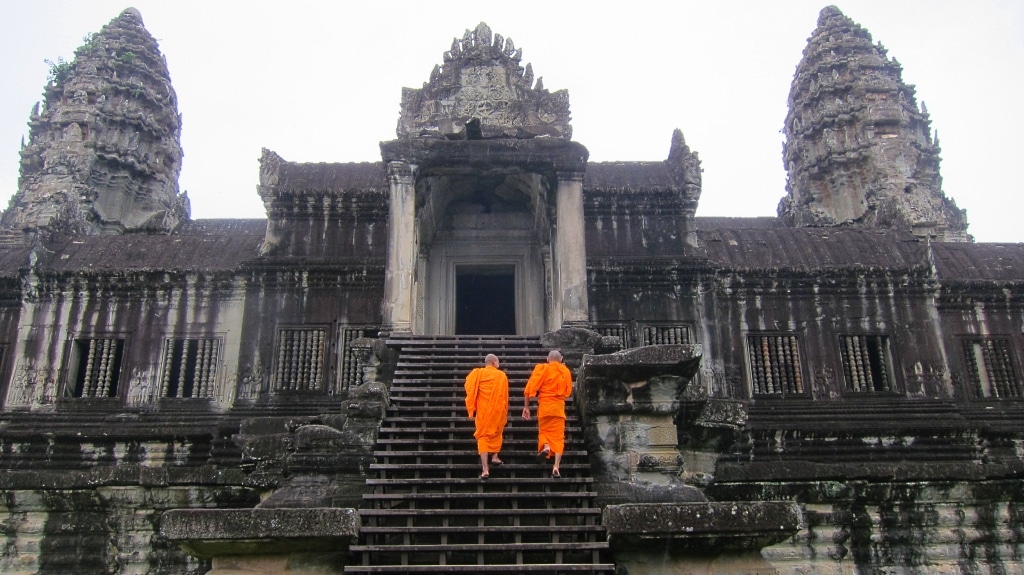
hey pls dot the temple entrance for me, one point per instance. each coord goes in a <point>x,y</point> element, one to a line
<point>483,254</point>
<point>485,300</point>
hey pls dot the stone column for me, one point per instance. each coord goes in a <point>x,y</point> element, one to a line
<point>400,271</point>
<point>570,254</point>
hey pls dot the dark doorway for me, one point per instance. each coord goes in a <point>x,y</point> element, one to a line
<point>485,300</point>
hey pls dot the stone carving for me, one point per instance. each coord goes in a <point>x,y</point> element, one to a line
<point>251,385</point>
<point>142,388</point>
<point>684,165</point>
<point>31,387</point>
<point>483,82</point>
<point>116,118</point>
<point>858,149</point>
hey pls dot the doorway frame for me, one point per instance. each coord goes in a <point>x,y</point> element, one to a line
<point>460,268</point>
<point>438,289</point>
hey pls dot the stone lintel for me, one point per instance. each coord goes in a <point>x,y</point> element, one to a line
<point>701,527</point>
<point>209,533</point>
<point>546,156</point>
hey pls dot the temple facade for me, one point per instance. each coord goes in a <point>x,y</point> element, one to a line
<point>834,390</point>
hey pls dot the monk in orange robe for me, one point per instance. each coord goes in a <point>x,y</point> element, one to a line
<point>487,404</point>
<point>551,384</point>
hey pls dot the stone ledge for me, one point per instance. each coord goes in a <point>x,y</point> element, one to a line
<point>705,527</point>
<point>122,474</point>
<point>210,533</point>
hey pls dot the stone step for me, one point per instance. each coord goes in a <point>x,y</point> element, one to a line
<point>481,548</point>
<point>456,393</point>
<point>517,481</point>
<point>456,419</point>
<point>419,453</point>
<point>513,443</point>
<point>575,513</point>
<point>436,515</point>
<point>499,529</point>
<point>461,429</point>
<point>495,568</point>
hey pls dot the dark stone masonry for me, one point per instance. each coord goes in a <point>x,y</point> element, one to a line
<point>835,390</point>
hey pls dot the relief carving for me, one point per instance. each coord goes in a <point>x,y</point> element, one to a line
<point>250,386</point>
<point>32,387</point>
<point>483,80</point>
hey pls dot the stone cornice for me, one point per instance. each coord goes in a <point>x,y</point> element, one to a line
<point>546,156</point>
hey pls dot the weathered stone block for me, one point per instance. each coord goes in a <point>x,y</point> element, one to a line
<point>701,526</point>
<point>260,532</point>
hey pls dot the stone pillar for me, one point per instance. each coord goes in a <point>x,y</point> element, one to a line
<point>570,281</point>
<point>400,271</point>
<point>629,401</point>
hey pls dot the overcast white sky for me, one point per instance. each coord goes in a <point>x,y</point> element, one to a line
<point>321,82</point>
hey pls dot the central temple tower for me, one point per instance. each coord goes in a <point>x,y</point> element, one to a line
<point>485,225</point>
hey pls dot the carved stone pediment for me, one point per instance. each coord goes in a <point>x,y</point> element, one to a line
<point>482,91</point>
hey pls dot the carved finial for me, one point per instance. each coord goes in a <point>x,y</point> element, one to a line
<point>528,76</point>
<point>482,34</point>
<point>270,167</point>
<point>678,143</point>
<point>133,13</point>
<point>510,47</point>
<point>828,12</point>
<point>499,43</point>
<point>684,165</point>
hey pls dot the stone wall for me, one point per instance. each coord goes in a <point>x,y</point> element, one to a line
<point>105,520</point>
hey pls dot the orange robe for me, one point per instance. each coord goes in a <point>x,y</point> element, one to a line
<point>487,400</point>
<point>551,384</point>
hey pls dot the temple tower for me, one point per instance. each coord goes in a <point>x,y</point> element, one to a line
<point>858,148</point>
<point>104,151</point>
<point>485,230</point>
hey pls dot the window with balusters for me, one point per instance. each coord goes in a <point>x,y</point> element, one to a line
<point>867,364</point>
<point>632,335</point>
<point>95,367</point>
<point>990,368</point>
<point>350,372</point>
<point>189,367</point>
<point>300,359</point>
<point>775,367</point>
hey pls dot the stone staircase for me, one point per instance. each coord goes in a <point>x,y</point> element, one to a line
<point>425,508</point>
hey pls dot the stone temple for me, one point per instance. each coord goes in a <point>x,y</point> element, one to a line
<point>834,390</point>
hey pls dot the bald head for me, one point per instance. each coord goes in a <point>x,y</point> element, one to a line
<point>554,356</point>
<point>491,360</point>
